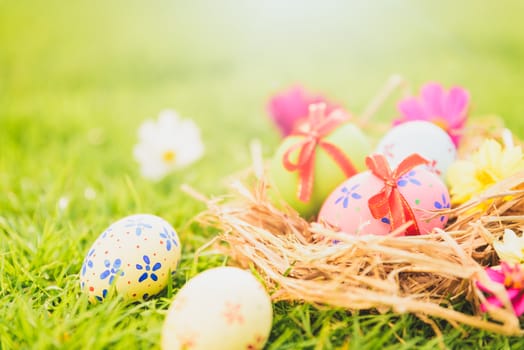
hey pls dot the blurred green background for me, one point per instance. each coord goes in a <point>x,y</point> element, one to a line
<point>77,78</point>
<point>112,64</point>
<point>107,65</point>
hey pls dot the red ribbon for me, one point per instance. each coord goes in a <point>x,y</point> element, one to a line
<point>389,202</point>
<point>317,127</point>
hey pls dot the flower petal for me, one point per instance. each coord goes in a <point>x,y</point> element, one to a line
<point>154,172</point>
<point>464,184</point>
<point>456,105</point>
<point>455,137</point>
<point>411,110</point>
<point>105,274</point>
<point>142,277</point>
<point>117,264</point>
<point>147,130</point>
<point>157,266</point>
<point>433,97</point>
<point>517,300</point>
<point>167,119</point>
<point>288,107</point>
<point>495,275</point>
<point>507,252</point>
<point>169,133</point>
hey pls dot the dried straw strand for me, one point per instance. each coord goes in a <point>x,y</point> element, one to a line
<point>415,274</point>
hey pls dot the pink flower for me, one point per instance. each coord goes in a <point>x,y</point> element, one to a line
<point>447,109</point>
<point>512,277</point>
<point>289,107</point>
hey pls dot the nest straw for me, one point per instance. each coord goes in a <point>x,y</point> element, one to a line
<point>424,275</point>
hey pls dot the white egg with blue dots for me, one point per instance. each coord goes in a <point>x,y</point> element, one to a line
<point>135,257</point>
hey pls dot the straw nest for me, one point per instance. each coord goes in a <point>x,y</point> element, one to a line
<point>424,275</point>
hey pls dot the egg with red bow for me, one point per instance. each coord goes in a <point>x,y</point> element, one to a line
<point>418,194</point>
<point>321,154</point>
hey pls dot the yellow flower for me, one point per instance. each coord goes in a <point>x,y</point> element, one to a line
<point>511,249</point>
<point>490,164</point>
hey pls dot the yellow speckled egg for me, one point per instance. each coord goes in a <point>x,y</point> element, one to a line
<point>224,308</point>
<point>137,255</point>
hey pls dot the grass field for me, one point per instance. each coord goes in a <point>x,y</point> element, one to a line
<point>77,79</point>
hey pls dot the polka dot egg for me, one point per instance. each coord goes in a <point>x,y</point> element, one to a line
<point>137,255</point>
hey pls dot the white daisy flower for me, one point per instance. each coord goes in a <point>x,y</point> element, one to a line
<point>511,249</point>
<point>166,145</point>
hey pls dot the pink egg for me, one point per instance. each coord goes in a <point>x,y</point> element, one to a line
<point>347,208</point>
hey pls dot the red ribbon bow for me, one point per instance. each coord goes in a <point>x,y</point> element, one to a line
<point>315,129</point>
<point>389,202</point>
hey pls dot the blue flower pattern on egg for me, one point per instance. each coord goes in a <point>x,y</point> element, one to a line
<point>408,178</point>
<point>112,271</point>
<point>123,249</point>
<point>149,271</point>
<point>104,295</point>
<point>347,194</point>
<point>138,224</point>
<point>88,262</point>
<point>442,205</point>
<point>106,232</point>
<point>170,238</point>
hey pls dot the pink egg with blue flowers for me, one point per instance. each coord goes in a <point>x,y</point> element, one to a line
<point>347,207</point>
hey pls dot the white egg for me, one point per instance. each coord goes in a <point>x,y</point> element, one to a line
<point>424,138</point>
<point>137,255</point>
<point>224,308</point>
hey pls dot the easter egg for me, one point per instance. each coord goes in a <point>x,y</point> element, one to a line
<point>136,255</point>
<point>224,308</point>
<point>347,207</point>
<point>424,138</point>
<point>327,174</point>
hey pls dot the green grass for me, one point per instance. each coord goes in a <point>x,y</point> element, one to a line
<point>78,78</point>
